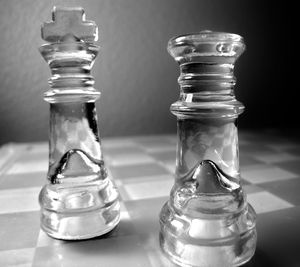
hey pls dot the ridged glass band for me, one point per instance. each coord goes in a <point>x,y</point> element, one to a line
<point>70,65</point>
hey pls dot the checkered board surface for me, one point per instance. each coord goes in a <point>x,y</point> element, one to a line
<point>142,168</point>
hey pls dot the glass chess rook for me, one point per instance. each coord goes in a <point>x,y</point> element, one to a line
<point>207,220</point>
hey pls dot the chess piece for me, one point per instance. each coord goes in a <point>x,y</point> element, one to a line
<point>207,220</point>
<point>79,201</point>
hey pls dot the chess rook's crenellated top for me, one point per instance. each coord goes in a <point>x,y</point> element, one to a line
<point>207,78</point>
<point>69,24</point>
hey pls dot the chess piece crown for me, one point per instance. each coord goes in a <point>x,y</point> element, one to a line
<point>70,54</point>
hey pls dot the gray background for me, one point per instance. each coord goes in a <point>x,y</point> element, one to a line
<point>137,77</point>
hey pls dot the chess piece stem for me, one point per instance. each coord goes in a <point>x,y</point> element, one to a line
<point>207,220</point>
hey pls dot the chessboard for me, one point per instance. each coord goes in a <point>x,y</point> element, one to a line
<point>142,167</point>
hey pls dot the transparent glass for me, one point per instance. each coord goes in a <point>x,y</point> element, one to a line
<point>207,220</point>
<point>79,201</point>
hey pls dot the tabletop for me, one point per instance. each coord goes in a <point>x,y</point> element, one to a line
<point>142,167</point>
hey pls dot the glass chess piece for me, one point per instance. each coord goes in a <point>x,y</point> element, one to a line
<point>79,201</point>
<point>207,220</point>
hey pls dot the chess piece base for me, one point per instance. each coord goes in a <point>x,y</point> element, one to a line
<point>81,212</point>
<point>209,241</point>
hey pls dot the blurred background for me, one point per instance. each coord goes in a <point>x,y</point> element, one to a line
<point>137,77</point>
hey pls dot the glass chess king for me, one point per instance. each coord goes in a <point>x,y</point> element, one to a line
<point>79,201</point>
<point>207,220</point>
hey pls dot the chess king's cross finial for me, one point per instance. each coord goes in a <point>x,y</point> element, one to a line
<point>69,24</point>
